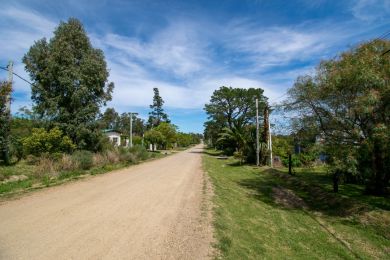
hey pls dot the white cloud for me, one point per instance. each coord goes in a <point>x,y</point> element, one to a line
<point>371,10</point>
<point>274,46</point>
<point>175,49</point>
<point>20,28</point>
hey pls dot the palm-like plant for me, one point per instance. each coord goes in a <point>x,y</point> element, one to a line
<point>236,135</point>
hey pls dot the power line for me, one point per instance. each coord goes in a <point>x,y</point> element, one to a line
<point>384,35</point>
<point>6,69</point>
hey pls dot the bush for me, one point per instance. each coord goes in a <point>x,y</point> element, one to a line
<point>46,167</point>
<point>99,159</point>
<point>140,152</point>
<point>31,159</point>
<point>67,163</point>
<point>83,158</point>
<point>42,141</point>
<point>112,156</point>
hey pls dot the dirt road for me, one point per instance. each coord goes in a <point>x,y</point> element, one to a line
<point>154,210</point>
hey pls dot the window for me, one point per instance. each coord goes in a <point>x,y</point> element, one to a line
<point>115,140</point>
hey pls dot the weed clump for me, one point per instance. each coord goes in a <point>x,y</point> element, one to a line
<point>84,159</point>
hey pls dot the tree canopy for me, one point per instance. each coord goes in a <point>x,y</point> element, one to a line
<point>69,82</point>
<point>157,115</point>
<point>348,102</point>
<point>231,118</point>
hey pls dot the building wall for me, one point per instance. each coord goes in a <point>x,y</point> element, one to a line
<point>114,137</point>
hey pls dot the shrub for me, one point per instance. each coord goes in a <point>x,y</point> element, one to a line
<point>112,156</point>
<point>83,158</point>
<point>99,159</point>
<point>42,141</point>
<point>31,159</point>
<point>67,163</point>
<point>46,167</point>
<point>140,152</point>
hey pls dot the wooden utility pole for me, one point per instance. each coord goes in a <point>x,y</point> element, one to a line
<point>267,134</point>
<point>257,134</point>
<point>266,127</point>
<point>271,163</point>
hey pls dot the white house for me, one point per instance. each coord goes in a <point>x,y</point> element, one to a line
<point>114,136</point>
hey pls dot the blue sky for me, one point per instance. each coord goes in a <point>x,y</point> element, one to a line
<point>190,48</point>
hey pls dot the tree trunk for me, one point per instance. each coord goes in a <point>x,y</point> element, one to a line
<point>336,180</point>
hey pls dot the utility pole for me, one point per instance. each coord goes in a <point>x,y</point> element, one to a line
<point>257,134</point>
<point>270,141</point>
<point>131,129</point>
<point>267,134</point>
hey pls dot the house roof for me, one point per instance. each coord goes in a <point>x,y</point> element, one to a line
<point>110,130</point>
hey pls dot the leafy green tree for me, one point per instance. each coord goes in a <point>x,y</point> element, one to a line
<point>138,125</point>
<point>110,119</point>
<point>5,118</point>
<point>42,141</point>
<point>348,101</point>
<point>168,132</point>
<point>235,107</point>
<point>69,82</point>
<point>157,115</point>
<point>232,112</point>
<point>154,137</point>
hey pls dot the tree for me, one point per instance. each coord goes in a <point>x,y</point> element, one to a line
<point>110,119</point>
<point>138,124</point>
<point>348,101</point>
<point>154,137</point>
<point>157,115</point>
<point>5,118</point>
<point>168,132</point>
<point>232,112</point>
<point>235,107</point>
<point>69,82</point>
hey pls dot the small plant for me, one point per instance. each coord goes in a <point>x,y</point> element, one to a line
<point>140,152</point>
<point>46,167</point>
<point>99,159</point>
<point>112,156</point>
<point>83,158</point>
<point>32,159</point>
<point>67,163</point>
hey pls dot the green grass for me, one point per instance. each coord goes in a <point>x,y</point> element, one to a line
<point>262,213</point>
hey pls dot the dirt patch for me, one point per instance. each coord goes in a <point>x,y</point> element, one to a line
<point>287,198</point>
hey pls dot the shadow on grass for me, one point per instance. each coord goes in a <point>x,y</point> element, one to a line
<point>289,192</point>
<point>207,152</point>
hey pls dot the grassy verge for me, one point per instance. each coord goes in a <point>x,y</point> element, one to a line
<point>34,182</point>
<point>263,213</point>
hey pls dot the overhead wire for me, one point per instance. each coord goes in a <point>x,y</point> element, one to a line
<point>17,75</point>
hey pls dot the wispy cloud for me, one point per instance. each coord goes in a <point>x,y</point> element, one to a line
<point>371,10</point>
<point>176,49</point>
<point>187,59</point>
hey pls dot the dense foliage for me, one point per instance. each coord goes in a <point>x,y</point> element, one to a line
<point>41,141</point>
<point>347,102</point>
<point>5,90</point>
<point>231,120</point>
<point>157,115</point>
<point>70,82</point>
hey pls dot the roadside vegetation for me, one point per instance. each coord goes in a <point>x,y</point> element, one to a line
<point>334,203</point>
<point>266,213</point>
<point>340,117</point>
